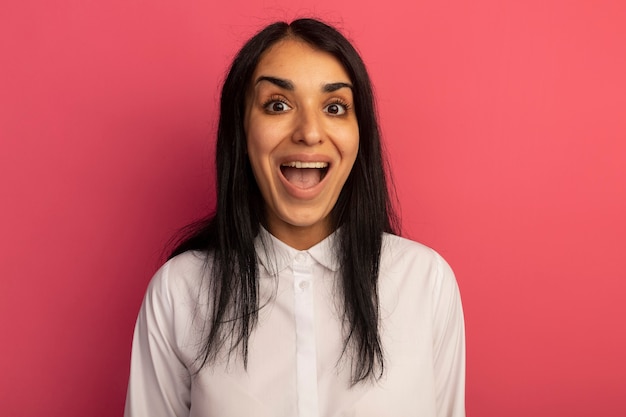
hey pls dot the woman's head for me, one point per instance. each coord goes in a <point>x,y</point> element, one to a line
<point>245,121</point>
<point>252,136</point>
<point>302,138</point>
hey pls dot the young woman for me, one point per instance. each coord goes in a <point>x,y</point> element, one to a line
<point>296,298</point>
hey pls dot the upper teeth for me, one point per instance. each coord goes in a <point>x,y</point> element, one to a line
<point>299,164</point>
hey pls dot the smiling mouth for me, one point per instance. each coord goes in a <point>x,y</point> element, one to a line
<point>304,175</point>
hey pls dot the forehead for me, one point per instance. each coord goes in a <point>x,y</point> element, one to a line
<point>297,60</point>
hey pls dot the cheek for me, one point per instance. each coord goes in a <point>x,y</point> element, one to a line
<point>350,146</point>
<point>254,140</point>
<point>258,156</point>
<point>258,134</point>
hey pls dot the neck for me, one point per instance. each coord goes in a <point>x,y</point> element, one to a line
<point>300,237</point>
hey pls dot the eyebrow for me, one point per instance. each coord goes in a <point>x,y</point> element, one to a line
<point>284,84</point>
<point>329,88</point>
<point>288,85</point>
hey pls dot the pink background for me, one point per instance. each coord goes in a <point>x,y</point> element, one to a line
<point>505,123</point>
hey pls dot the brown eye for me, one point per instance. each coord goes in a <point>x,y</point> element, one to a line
<point>335,109</point>
<point>277,106</point>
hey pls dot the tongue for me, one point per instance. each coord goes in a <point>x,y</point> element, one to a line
<point>302,177</point>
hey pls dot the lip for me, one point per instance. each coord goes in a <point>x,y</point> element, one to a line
<point>308,193</point>
<point>304,158</point>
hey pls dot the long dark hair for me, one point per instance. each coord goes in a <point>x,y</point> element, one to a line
<point>363,210</point>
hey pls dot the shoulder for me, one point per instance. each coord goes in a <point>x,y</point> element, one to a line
<point>405,258</point>
<point>165,324</point>
<point>397,249</point>
<point>188,263</point>
<point>179,278</point>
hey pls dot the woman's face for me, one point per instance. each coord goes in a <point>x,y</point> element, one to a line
<point>302,138</point>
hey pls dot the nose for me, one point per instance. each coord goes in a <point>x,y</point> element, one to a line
<point>308,129</point>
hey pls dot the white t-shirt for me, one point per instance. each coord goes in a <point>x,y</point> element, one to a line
<point>295,367</point>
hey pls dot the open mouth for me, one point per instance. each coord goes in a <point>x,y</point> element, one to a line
<point>304,174</point>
